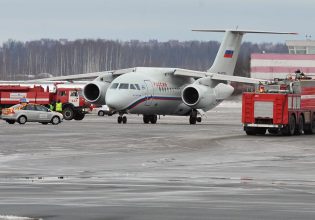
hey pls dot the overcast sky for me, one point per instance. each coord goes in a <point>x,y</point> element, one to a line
<point>152,19</point>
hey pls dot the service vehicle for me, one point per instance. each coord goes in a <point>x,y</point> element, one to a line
<point>73,103</point>
<point>284,107</point>
<point>103,110</point>
<point>30,112</point>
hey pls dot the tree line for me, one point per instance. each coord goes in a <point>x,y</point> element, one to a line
<point>46,57</point>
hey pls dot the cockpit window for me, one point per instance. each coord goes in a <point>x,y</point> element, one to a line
<point>123,86</point>
<point>132,86</point>
<point>137,86</point>
<point>114,86</point>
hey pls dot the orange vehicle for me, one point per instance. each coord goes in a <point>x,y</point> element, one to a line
<point>73,104</point>
<point>280,107</point>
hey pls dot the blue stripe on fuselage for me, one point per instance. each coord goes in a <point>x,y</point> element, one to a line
<point>145,98</point>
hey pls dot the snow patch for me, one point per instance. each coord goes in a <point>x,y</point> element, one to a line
<point>12,217</point>
<point>231,104</point>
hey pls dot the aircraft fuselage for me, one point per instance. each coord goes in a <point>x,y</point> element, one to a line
<point>149,91</point>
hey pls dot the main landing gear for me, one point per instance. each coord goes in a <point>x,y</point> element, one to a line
<point>149,118</point>
<point>193,118</point>
<point>122,119</point>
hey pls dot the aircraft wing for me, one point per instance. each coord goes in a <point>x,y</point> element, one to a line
<point>190,73</point>
<point>240,79</point>
<point>71,77</point>
<point>216,76</point>
<point>84,76</point>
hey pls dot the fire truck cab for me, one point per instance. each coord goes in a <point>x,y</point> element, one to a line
<point>284,107</point>
<point>74,105</point>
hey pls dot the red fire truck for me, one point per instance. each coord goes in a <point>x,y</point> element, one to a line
<point>280,106</point>
<point>73,104</point>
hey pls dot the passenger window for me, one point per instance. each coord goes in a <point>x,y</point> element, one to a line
<point>29,107</point>
<point>123,86</point>
<point>41,108</point>
<point>137,86</point>
<point>114,86</point>
<point>132,86</point>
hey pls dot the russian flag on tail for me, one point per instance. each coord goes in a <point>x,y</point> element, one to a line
<point>228,54</point>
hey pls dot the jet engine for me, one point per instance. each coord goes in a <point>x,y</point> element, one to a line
<point>198,96</point>
<point>95,92</point>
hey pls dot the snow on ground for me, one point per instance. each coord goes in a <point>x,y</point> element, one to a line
<point>12,217</point>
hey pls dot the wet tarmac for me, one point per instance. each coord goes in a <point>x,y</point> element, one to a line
<point>98,169</point>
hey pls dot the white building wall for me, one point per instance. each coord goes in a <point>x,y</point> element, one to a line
<point>270,66</point>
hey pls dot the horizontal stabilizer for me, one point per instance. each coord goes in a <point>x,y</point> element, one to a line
<point>243,31</point>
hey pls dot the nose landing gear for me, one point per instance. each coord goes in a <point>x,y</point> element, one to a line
<point>122,119</point>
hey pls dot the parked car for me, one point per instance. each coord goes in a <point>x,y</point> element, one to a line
<point>104,110</point>
<point>28,112</point>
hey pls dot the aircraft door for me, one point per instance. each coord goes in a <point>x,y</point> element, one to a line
<point>149,92</point>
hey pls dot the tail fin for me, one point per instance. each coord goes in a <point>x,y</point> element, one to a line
<point>226,58</point>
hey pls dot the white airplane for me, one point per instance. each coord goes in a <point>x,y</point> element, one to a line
<point>153,91</point>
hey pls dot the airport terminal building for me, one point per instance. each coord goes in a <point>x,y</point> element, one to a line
<point>269,66</point>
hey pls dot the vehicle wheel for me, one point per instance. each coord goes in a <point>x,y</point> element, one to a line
<point>153,119</point>
<point>250,131</point>
<point>11,122</point>
<point>22,120</point>
<point>44,123</point>
<point>55,120</point>
<point>124,120</point>
<point>68,113</point>
<point>310,128</point>
<point>100,113</point>
<point>273,131</point>
<point>261,131</point>
<point>79,116</point>
<point>299,129</point>
<point>146,119</point>
<point>199,119</point>
<point>119,119</point>
<point>290,128</point>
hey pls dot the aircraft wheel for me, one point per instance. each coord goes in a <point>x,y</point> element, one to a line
<point>124,120</point>
<point>193,117</point>
<point>192,120</point>
<point>119,119</point>
<point>199,119</point>
<point>153,119</point>
<point>146,119</point>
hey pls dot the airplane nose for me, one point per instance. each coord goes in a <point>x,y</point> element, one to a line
<point>113,101</point>
<point>110,102</point>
